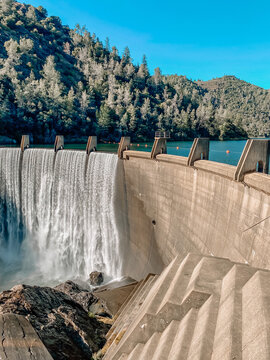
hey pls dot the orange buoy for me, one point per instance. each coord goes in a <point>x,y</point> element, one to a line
<point>228,151</point>
<point>145,145</point>
<point>177,147</point>
<point>138,144</point>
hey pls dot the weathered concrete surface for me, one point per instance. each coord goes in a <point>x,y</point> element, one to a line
<point>25,142</point>
<point>141,251</point>
<point>139,154</point>
<point>200,308</point>
<point>91,144</point>
<point>59,143</point>
<point>114,298</point>
<point>196,209</point>
<point>123,145</point>
<point>19,341</point>
<point>180,160</point>
<point>255,153</point>
<point>159,147</point>
<point>199,150</point>
<point>258,181</point>
<point>216,168</point>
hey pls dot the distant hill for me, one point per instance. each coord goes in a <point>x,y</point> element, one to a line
<point>54,79</point>
<point>240,101</point>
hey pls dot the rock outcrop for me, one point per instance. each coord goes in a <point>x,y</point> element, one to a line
<point>96,278</point>
<point>87,299</point>
<point>61,322</point>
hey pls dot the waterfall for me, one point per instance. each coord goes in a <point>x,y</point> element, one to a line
<point>10,219</point>
<point>57,216</point>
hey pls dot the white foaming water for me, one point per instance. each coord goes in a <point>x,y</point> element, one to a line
<point>10,219</point>
<point>57,219</point>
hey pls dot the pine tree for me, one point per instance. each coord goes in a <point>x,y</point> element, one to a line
<point>107,44</point>
<point>157,77</point>
<point>126,59</point>
<point>106,120</point>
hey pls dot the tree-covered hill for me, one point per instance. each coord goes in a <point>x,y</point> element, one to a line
<point>54,79</point>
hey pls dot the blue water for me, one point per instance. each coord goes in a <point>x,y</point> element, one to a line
<point>217,152</point>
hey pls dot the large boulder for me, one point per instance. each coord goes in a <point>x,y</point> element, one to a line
<point>82,296</point>
<point>96,278</point>
<point>61,322</point>
<point>87,299</point>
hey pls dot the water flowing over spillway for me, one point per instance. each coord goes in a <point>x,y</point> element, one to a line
<point>57,216</point>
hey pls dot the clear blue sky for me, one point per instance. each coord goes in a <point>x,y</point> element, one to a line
<point>199,39</point>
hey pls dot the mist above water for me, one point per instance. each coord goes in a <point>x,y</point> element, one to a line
<point>57,216</point>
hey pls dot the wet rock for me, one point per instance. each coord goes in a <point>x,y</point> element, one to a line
<point>96,278</point>
<point>62,323</point>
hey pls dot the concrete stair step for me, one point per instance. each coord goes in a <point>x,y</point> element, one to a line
<point>147,323</point>
<point>131,313</point>
<point>151,303</point>
<point>201,345</point>
<point>179,283</point>
<point>123,357</point>
<point>122,308</point>
<point>133,305</point>
<point>119,316</point>
<point>166,341</point>
<point>256,317</point>
<point>187,288</point>
<point>159,290</point>
<point>182,340</point>
<point>150,347</point>
<point>198,285</point>
<point>228,334</point>
<point>136,353</point>
<point>207,275</point>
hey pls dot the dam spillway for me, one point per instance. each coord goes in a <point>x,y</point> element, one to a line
<point>57,217</point>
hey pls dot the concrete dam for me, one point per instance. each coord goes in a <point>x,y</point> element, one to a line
<point>194,233</point>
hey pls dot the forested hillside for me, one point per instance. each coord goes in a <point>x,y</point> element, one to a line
<point>54,79</point>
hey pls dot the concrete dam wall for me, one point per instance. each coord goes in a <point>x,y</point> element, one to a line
<point>194,232</point>
<point>199,209</point>
<point>132,216</point>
